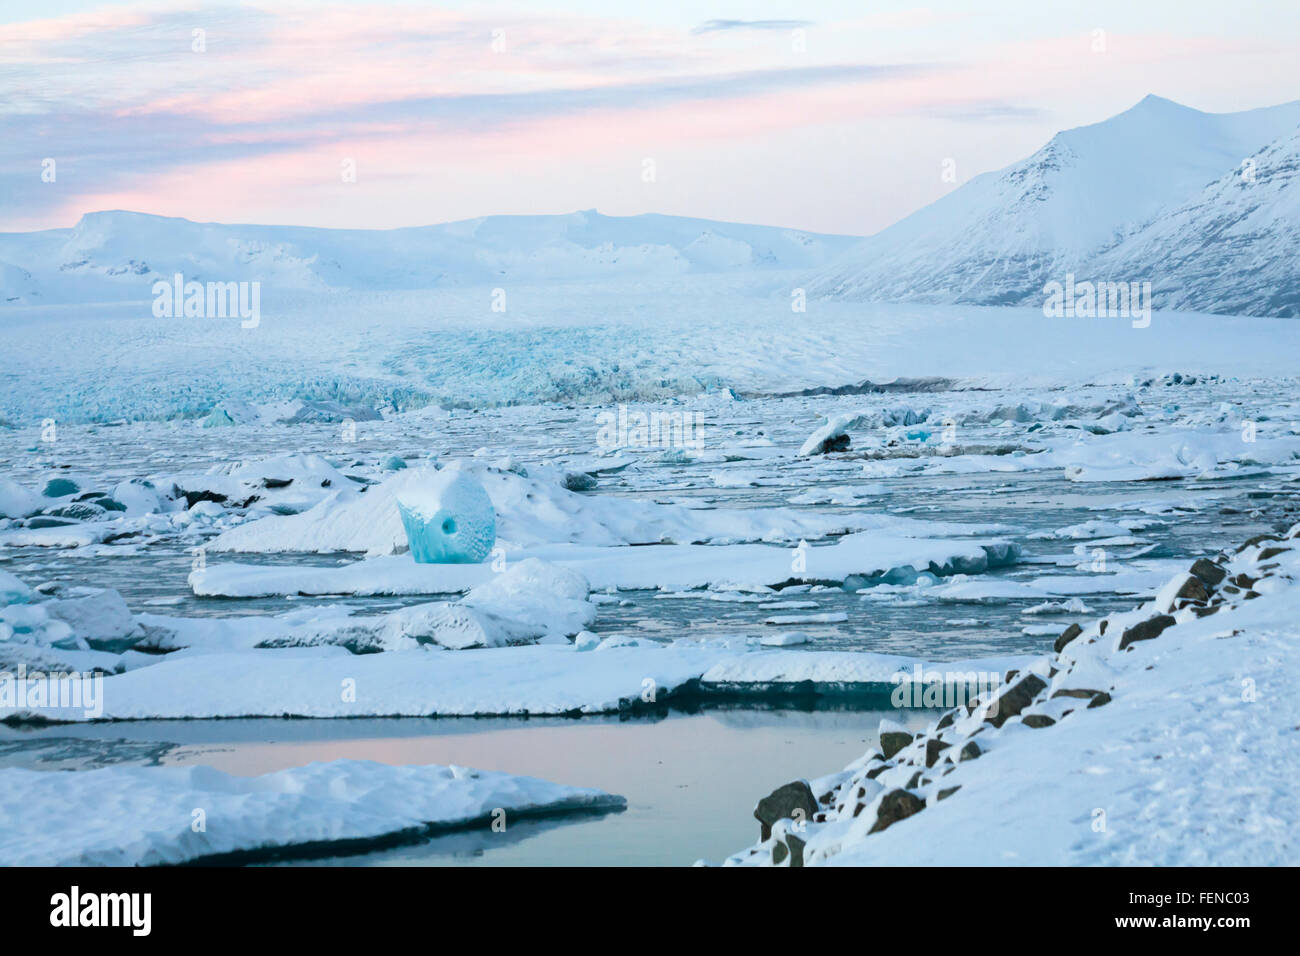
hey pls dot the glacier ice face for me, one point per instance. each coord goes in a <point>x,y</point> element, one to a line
<point>449,519</point>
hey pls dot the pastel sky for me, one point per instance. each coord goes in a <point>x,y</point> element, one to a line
<point>823,115</point>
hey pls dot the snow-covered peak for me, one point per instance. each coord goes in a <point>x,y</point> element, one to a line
<point>996,239</point>
<point>1232,248</point>
<point>119,254</point>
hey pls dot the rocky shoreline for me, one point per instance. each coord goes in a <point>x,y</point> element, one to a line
<point>815,822</point>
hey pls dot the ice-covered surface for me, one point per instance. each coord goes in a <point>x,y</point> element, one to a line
<point>147,816</point>
<point>1164,735</point>
<point>541,679</point>
<point>865,555</point>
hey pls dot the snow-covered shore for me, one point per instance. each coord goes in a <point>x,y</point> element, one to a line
<point>1166,735</point>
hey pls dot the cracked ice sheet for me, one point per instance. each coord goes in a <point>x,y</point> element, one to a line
<point>666,567</point>
<point>542,679</point>
<point>141,816</point>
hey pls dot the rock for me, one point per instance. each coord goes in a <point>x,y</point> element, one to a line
<point>1016,699</point>
<point>947,792</point>
<point>579,481</point>
<point>784,803</point>
<point>1257,539</point>
<point>449,519</point>
<point>1037,721</point>
<point>933,748</point>
<point>1193,589</point>
<point>192,498</point>
<point>1271,553</point>
<point>1067,635</point>
<point>946,720</point>
<point>894,806</point>
<point>1077,692</point>
<point>970,751</point>
<point>1101,700</point>
<point>1146,631</point>
<point>790,846</point>
<point>1209,572</point>
<point>893,738</point>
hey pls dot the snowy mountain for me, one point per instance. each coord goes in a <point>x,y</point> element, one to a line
<point>998,238</point>
<point>118,255</point>
<point>1234,248</point>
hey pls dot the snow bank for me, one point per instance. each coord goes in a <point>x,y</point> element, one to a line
<point>1164,735</point>
<point>146,816</point>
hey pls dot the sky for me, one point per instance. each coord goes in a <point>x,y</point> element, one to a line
<point>820,115</point>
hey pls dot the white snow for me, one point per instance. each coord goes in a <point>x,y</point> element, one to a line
<point>148,816</point>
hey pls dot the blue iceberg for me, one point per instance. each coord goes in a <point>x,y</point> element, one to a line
<point>448,521</point>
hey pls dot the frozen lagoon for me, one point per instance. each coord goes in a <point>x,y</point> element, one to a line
<point>1145,529</point>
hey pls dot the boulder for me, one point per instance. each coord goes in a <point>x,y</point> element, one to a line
<point>894,806</point>
<point>1067,635</point>
<point>1015,699</point>
<point>784,803</point>
<point>1209,573</point>
<point>1148,630</point>
<point>893,738</point>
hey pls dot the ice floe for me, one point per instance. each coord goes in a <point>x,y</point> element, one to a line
<point>149,816</point>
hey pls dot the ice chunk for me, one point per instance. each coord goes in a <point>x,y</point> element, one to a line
<point>131,816</point>
<point>99,616</point>
<point>31,624</point>
<point>13,591</point>
<point>456,627</point>
<point>60,488</point>
<point>139,497</point>
<point>539,593</point>
<point>16,501</point>
<point>449,518</point>
<point>789,639</point>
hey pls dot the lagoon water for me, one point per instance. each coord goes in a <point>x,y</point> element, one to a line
<point>691,780</point>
